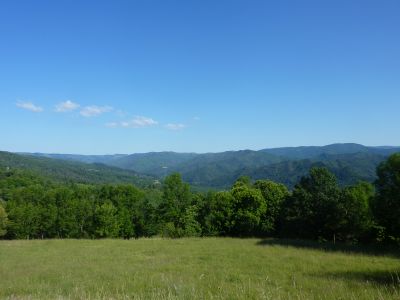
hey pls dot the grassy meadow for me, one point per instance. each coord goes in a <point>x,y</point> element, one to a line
<point>195,268</point>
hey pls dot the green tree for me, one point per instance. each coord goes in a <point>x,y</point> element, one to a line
<point>386,206</point>
<point>23,218</point>
<point>248,208</point>
<point>216,213</point>
<point>3,221</point>
<point>243,180</point>
<point>106,220</point>
<point>176,198</point>
<point>83,208</point>
<point>274,194</point>
<point>66,224</point>
<point>312,209</point>
<point>47,216</point>
<point>354,210</point>
<point>189,221</point>
<point>126,227</point>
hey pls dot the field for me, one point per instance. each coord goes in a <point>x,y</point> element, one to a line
<point>211,268</point>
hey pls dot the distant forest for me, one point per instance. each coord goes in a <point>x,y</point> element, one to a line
<point>79,203</point>
<point>349,162</point>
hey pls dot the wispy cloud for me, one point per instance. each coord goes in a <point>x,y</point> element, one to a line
<point>66,106</point>
<point>172,126</point>
<point>29,106</point>
<point>94,110</point>
<point>137,122</point>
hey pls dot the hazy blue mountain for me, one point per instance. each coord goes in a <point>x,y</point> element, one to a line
<point>304,152</point>
<point>102,159</point>
<point>153,163</point>
<point>71,171</point>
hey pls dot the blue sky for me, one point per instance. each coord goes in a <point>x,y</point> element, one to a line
<point>97,77</point>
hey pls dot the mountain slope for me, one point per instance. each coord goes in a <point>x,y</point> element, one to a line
<point>218,169</point>
<point>348,168</point>
<point>70,171</point>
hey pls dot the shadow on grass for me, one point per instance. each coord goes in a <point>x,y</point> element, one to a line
<point>377,250</point>
<point>386,278</point>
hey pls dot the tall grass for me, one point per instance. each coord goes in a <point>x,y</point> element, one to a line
<point>207,268</point>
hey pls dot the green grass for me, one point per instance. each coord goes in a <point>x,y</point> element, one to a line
<point>208,268</point>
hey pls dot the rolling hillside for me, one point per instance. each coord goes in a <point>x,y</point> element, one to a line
<point>350,163</point>
<point>71,171</point>
<point>348,168</point>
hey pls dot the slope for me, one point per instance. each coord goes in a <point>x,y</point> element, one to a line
<point>71,171</point>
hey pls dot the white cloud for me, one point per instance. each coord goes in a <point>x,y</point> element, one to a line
<point>137,122</point>
<point>94,110</point>
<point>172,126</point>
<point>66,106</point>
<point>29,106</point>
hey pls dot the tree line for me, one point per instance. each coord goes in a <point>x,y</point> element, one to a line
<point>317,208</point>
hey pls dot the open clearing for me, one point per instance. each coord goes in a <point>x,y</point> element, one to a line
<point>195,268</point>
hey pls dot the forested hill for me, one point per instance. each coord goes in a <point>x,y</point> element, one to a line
<point>71,171</point>
<point>348,168</point>
<point>349,162</point>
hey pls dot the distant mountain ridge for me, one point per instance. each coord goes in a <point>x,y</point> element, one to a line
<point>349,161</point>
<point>304,152</point>
<point>90,159</point>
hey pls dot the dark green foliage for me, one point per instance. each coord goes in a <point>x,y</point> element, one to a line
<point>319,209</point>
<point>216,211</point>
<point>386,206</point>
<point>311,210</point>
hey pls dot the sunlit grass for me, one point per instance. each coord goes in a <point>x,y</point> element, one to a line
<point>210,268</point>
